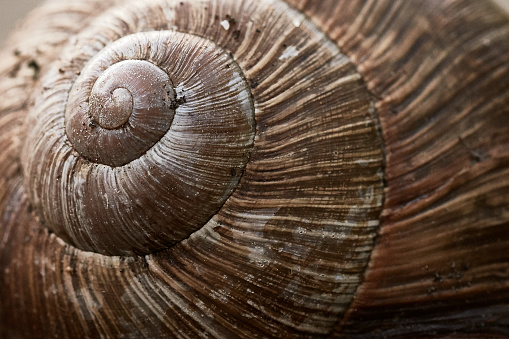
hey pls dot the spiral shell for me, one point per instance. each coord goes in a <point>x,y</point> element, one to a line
<point>217,168</point>
<point>155,114</point>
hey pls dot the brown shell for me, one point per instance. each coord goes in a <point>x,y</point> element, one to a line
<point>281,169</point>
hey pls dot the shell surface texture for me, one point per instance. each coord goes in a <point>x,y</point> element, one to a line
<point>255,169</point>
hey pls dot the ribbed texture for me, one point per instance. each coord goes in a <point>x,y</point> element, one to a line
<point>440,71</point>
<point>284,254</point>
<point>136,188</point>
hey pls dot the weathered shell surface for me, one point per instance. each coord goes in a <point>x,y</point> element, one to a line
<point>239,193</point>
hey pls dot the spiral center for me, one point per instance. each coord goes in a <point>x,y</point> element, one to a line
<point>130,106</point>
<point>115,111</point>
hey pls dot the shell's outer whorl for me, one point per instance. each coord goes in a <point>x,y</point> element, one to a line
<point>281,256</point>
<point>440,71</point>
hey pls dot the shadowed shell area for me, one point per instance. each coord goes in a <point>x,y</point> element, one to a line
<point>255,169</point>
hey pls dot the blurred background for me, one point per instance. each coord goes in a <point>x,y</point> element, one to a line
<point>11,11</point>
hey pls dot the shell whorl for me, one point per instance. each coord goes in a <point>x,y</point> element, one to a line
<point>138,178</point>
<point>246,157</point>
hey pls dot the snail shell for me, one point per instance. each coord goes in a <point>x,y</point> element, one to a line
<point>255,169</point>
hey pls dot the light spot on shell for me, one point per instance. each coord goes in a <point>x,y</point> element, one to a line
<point>362,162</point>
<point>225,24</point>
<point>289,52</point>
